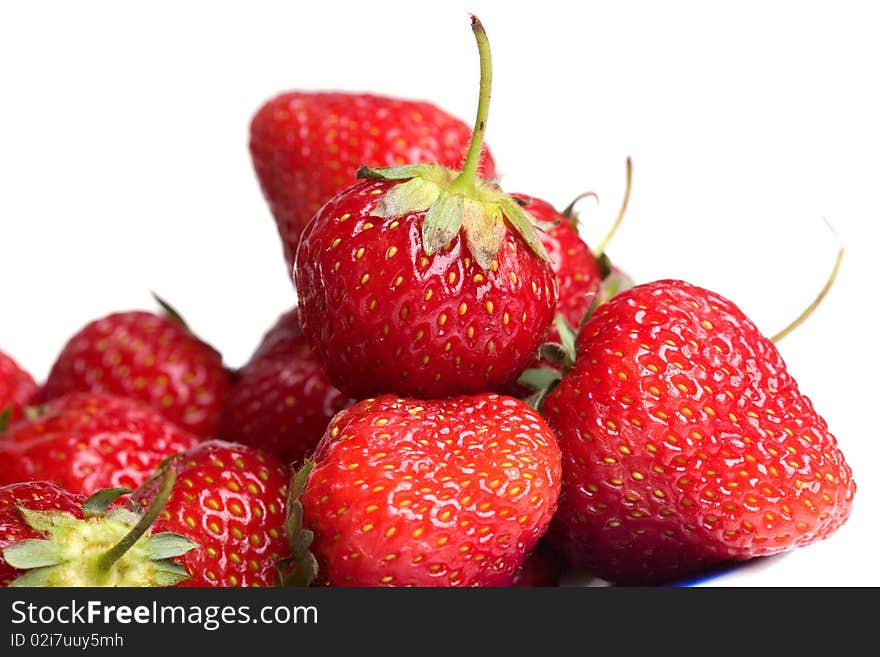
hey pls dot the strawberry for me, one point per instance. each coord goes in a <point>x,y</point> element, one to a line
<point>88,441</point>
<point>578,272</point>
<point>153,358</point>
<point>451,492</point>
<point>50,536</point>
<point>424,281</point>
<point>281,400</point>
<point>231,501</point>
<point>17,390</point>
<point>686,442</point>
<point>307,146</point>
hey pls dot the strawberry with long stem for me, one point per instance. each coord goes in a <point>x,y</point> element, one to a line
<point>686,442</point>
<point>425,281</point>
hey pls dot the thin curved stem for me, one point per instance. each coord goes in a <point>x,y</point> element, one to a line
<point>600,250</point>
<point>466,180</point>
<point>800,319</point>
<point>115,553</point>
<point>569,209</point>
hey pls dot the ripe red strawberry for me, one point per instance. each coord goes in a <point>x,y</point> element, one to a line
<point>17,390</point>
<point>451,492</point>
<point>149,357</point>
<point>686,442</point>
<point>307,146</point>
<point>88,441</point>
<point>50,536</point>
<point>281,400</point>
<point>231,501</point>
<point>423,281</point>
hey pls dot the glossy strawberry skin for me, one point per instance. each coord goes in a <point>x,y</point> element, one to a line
<point>451,492</point>
<point>686,443</point>
<point>384,317</point>
<point>36,496</point>
<point>17,388</point>
<point>147,357</point>
<point>307,146</point>
<point>578,273</point>
<point>231,500</point>
<point>88,441</point>
<point>281,400</point>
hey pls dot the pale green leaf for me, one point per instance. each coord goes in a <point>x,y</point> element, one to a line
<point>411,196</point>
<point>442,222</point>
<point>32,553</point>
<point>524,224</point>
<point>394,173</point>
<point>44,521</point>
<point>36,578</point>
<point>169,544</point>
<point>97,504</point>
<point>539,378</point>
<point>484,230</point>
<point>169,573</point>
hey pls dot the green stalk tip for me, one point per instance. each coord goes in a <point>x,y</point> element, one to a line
<point>800,319</point>
<point>600,249</point>
<point>169,476</point>
<point>466,180</point>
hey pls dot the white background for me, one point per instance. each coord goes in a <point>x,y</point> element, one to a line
<point>124,166</point>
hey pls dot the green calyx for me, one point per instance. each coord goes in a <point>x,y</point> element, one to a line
<point>481,213</point>
<point>5,414</point>
<point>456,201</point>
<point>104,548</point>
<point>614,281</point>
<point>559,356</point>
<point>302,567</point>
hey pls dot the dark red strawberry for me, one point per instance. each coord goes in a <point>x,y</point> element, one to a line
<point>686,442</point>
<point>281,400</point>
<point>88,441</point>
<point>17,390</point>
<point>577,270</point>
<point>53,537</point>
<point>451,492</point>
<point>307,146</point>
<point>230,500</point>
<point>424,281</point>
<point>149,357</point>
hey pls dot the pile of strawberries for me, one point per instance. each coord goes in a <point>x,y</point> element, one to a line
<point>427,415</point>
